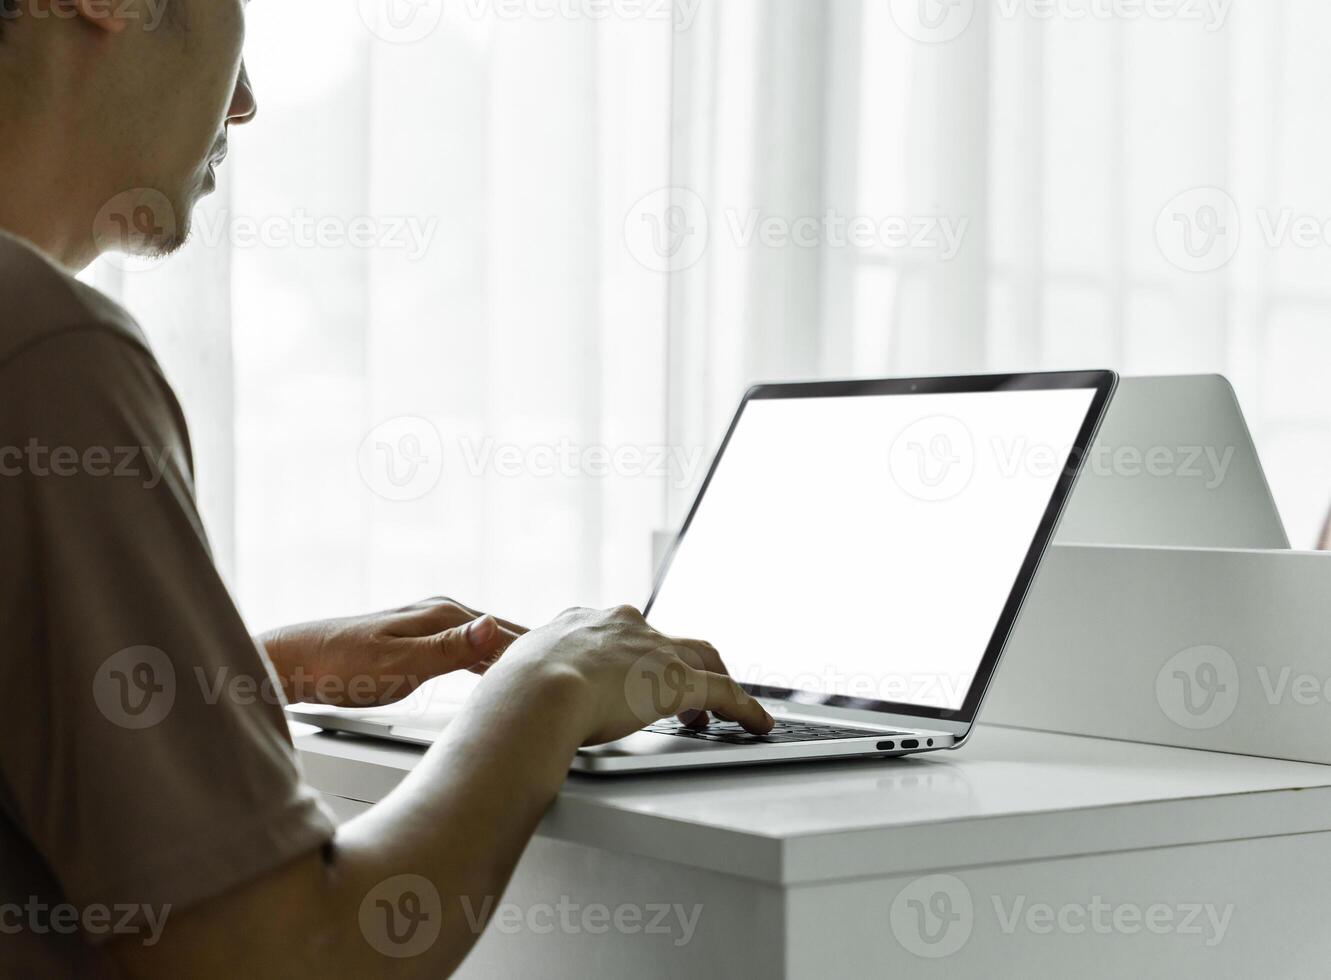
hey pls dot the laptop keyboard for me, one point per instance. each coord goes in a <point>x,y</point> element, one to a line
<point>784,731</point>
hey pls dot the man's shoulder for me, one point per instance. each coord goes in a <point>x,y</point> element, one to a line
<point>41,300</point>
<point>71,355</point>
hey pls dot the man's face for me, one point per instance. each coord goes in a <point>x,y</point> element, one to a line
<point>183,84</point>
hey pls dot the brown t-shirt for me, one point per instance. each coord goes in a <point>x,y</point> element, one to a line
<point>145,765</point>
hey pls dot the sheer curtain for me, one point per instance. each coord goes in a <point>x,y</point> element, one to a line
<point>483,284</point>
<point>1144,187</point>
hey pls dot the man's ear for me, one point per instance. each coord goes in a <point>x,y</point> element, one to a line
<point>110,15</point>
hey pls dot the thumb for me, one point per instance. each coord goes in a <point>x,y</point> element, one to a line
<point>468,645</point>
<point>481,633</point>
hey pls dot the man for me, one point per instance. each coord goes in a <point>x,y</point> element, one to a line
<point>153,822</point>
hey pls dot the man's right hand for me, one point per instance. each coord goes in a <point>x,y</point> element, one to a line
<point>620,674</point>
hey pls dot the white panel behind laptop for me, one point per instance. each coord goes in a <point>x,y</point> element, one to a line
<point>1198,648</point>
<point>1174,466</point>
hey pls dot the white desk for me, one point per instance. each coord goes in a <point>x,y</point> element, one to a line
<point>1022,855</point>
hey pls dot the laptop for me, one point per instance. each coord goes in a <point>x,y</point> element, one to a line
<point>859,553</point>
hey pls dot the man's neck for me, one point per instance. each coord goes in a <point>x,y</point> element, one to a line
<point>51,191</point>
<point>46,208</point>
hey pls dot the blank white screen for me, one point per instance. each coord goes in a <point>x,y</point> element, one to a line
<point>865,546</point>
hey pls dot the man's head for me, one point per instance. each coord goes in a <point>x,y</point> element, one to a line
<point>132,100</point>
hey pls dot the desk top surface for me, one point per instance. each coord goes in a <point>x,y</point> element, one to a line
<point>1009,795</point>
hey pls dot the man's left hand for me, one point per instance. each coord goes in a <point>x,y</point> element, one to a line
<point>366,661</point>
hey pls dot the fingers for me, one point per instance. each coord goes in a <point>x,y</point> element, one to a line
<point>510,627</point>
<point>705,657</point>
<point>723,695</point>
<point>442,613</point>
<point>701,655</point>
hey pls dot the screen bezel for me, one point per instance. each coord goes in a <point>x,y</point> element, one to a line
<point>1102,383</point>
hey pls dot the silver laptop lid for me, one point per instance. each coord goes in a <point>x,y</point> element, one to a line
<point>866,546</point>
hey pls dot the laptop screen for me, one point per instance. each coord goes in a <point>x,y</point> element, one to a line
<point>865,547</point>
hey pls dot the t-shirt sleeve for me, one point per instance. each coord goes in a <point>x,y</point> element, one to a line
<point>144,745</point>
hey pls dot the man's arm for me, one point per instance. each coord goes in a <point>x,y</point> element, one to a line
<point>459,822</point>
